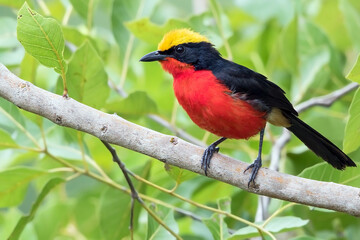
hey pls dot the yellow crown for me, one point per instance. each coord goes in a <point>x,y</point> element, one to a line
<point>180,36</point>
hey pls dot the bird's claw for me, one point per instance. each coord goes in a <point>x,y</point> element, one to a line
<point>255,166</point>
<point>206,158</point>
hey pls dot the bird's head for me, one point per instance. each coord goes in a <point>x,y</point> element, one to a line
<point>182,49</point>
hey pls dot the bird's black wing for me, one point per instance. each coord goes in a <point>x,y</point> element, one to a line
<point>252,86</point>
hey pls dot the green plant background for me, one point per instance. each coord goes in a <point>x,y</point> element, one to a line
<point>306,47</point>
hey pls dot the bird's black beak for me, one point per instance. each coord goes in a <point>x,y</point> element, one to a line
<point>153,56</point>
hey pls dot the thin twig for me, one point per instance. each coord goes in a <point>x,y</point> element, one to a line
<point>134,193</point>
<point>214,6</point>
<point>326,100</point>
<point>89,17</point>
<point>129,48</point>
<point>20,127</point>
<point>277,149</point>
<point>43,7</point>
<point>82,151</point>
<point>67,14</point>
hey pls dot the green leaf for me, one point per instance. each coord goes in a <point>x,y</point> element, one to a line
<point>289,46</point>
<point>86,214</point>
<point>6,141</point>
<point>245,233</point>
<point>217,227</point>
<point>263,10</point>
<point>14,184</point>
<point>12,57</point>
<point>352,129</point>
<point>10,116</point>
<point>74,35</point>
<point>333,27</point>
<point>282,224</point>
<point>313,64</point>
<point>26,219</point>
<point>8,220</point>
<point>8,33</point>
<point>11,51</point>
<point>223,27</point>
<point>28,68</point>
<point>137,104</point>
<point>224,204</point>
<point>12,3</point>
<point>307,238</point>
<point>155,230</point>
<point>81,6</point>
<point>52,218</point>
<point>123,11</point>
<point>354,74</point>
<point>152,33</point>
<point>352,21</point>
<point>179,174</point>
<point>87,77</point>
<point>42,38</point>
<point>276,225</point>
<point>115,214</point>
<point>314,52</point>
<point>325,172</point>
<point>216,224</point>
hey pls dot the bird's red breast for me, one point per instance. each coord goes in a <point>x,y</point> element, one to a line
<point>211,105</point>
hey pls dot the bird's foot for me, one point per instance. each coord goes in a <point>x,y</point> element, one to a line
<point>206,158</point>
<point>256,165</point>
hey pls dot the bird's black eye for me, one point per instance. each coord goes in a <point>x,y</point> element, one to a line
<point>179,49</point>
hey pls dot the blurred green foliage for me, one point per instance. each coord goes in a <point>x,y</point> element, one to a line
<point>306,47</point>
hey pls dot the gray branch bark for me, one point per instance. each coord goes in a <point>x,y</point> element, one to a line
<point>172,150</point>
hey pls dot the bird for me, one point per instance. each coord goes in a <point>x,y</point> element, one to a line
<point>231,100</point>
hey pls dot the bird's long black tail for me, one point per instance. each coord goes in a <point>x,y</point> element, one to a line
<point>320,145</point>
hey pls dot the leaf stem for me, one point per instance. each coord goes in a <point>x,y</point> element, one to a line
<point>19,126</point>
<point>129,47</point>
<point>67,14</point>
<point>277,212</point>
<point>90,14</point>
<point>43,7</point>
<point>215,5</point>
<point>81,144</point>
<point>174,113</point>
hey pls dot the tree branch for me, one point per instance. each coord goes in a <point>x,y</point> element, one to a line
<point>326,100</point>
<point>171,150</point>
